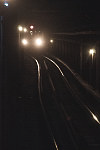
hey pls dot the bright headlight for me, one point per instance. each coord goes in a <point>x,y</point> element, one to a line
<point>25,42</point>
<point>39,42</point>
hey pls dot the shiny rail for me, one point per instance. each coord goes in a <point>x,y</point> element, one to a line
<point>87,110</point>
<point>71,89</point>
<point>43,109</point>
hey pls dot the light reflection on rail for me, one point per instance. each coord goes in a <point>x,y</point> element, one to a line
<point>44,112</point>
<point>93,115</point>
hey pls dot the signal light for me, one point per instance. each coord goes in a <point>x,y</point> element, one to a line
<point>31,27</point>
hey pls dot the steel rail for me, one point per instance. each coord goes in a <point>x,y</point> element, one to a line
<point>70,128</point>
<point>76,76</point>
<point>72,91</point>
<point>71,131</point>
<point>43,109</point>
<point>93,115</point>
<point>87,110</point>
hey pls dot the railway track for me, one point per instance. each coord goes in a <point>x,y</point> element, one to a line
<point>31,129</point>
<point>82,117</point>
<point>67,121</point>
<point>86,94</point>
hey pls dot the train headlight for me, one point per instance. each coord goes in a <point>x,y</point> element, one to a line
<point>39,42</point>
<point>25,42</point>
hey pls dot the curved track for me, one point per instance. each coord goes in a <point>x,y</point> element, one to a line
<point>67,117</point>
<point>71,102</point>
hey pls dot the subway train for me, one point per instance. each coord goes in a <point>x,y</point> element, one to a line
<point>36,42</point>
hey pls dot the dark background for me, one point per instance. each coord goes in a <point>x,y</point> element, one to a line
<point>57,15</point>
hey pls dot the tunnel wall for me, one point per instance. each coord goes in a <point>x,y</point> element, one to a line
<point>76,54</point>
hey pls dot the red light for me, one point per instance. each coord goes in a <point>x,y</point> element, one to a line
<point>31,27</point>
